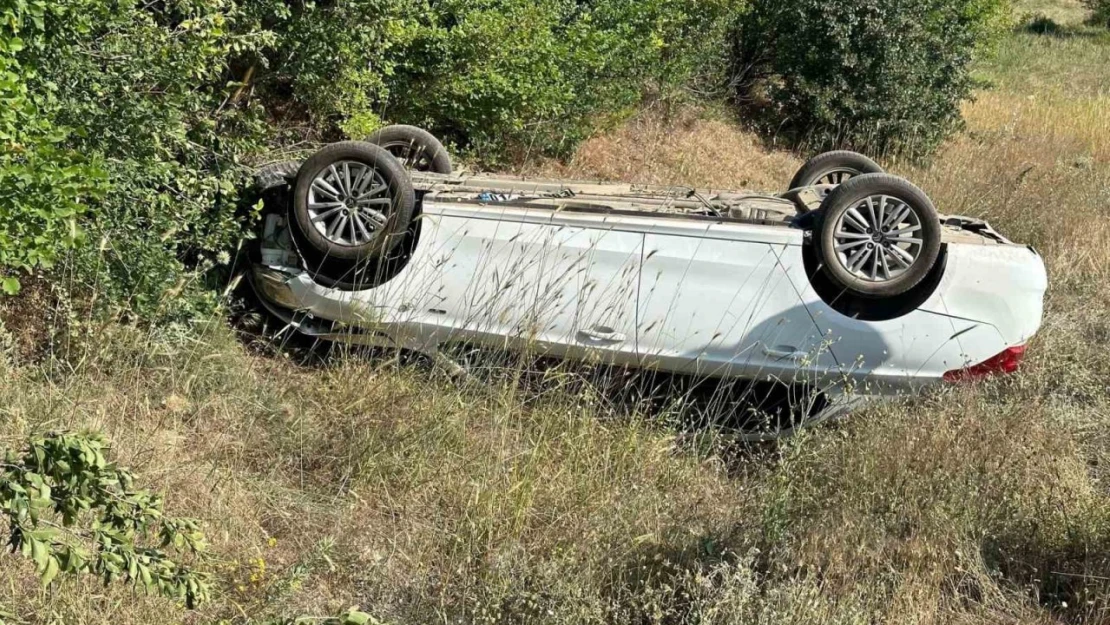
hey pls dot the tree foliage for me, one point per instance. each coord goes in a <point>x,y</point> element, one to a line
<point>70,510</point>
<point>883,75</point>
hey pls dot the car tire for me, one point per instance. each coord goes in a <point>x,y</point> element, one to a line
<point>276,175</point>
<point>416,148</point>
<point>353,201</point>
<point>878,236</point>
<point>834,168</point>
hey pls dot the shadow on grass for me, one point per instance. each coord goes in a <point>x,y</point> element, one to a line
<point>1046,26</point>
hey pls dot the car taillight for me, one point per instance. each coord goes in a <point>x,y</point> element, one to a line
<point>1006,362</point>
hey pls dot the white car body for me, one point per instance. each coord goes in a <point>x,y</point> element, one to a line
<point>629,276</point>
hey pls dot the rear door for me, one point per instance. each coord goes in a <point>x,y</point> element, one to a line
<point>717,303</point>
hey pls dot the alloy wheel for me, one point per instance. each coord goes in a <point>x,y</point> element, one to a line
<point>879,239</point>
<point>349,203</point>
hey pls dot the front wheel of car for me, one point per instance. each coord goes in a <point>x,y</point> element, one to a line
<point>879,235</point>
<point>353,201</point>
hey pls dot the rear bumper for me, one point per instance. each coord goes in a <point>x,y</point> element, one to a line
<point>1003,285</point>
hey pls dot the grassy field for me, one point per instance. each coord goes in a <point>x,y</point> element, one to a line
<point>423,501</point>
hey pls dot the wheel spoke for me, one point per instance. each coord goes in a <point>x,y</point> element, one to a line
<point>367,180</point>
<point>901,255</point>
<point>337,226</point>
<point>875,264</point>
<point>416,157</point>
<point>856,220</point>
<point>844,234</point>
<point>359,180</point>
<point>383,201</point>
<point>886,267</point>
<point>851,246</point>
<point>322,186</point>
<point>338,179</point>
<point>898,233</point>
<point>375,217</point>
<point>859,259</point>
<point>863,260</point>
<point>326,214</point>
<point>892,256</point>
<point>357,218</point>
<point>874,222</point>
<point>373,192</point>
<point>897,216</point>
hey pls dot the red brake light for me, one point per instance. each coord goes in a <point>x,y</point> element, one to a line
<point>1006,362</point>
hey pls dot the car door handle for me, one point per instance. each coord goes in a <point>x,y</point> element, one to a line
<point>784,351</point>
<point>600,334</point>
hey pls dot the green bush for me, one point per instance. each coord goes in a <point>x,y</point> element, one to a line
<point>127,125</point>
<point>71,511</point>
<point>495,75</point>
<point>1100,11</point>
<point>140,92</point>
<point>44,187</point>
<point>881,75</point>
<point>328,61</point>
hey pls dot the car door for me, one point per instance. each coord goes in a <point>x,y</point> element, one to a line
<point>588,280</point>
<point>530,279</point>
<point>716,304</point>
<point>473,277</point>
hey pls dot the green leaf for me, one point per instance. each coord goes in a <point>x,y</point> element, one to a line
<point>50,572</point>
<point>39,553</point>
<point>354,617</point>
<point>10,286</point>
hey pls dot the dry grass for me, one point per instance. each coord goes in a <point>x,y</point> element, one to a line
<point>684,146</point>
<point>425,502</point>
<point>365,484</point>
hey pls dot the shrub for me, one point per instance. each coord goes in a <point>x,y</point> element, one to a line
<point>330,61</point>
<point>883,75</point>
<point>1100,11</point>
<point>126,124</point>
<point>129,108</point>
<point>44,187</point>
<point>497,75</point>
<point>71,511</point>
<point>150,88</point>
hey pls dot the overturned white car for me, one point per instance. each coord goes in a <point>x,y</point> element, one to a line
<point>850,283</point>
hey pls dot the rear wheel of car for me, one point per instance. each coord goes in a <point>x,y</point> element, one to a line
<point>416,148</point>
<point>276,176</point>
<point>353,201</point>
<point>879,235</point>
<point>834,168</point>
